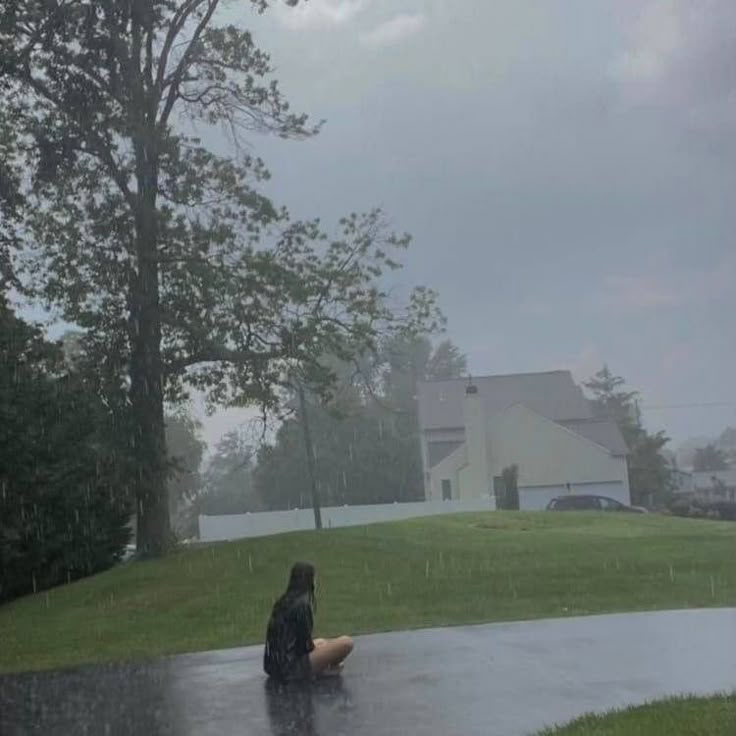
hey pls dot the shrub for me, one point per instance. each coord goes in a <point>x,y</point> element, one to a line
<point>695,508</point>
<point>64,506</point>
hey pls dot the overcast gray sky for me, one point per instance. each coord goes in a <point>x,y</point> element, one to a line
<point>566,167</point>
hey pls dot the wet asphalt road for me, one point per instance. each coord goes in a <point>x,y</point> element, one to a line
<point>500,679</point>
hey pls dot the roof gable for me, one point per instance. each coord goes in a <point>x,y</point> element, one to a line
<point>553,395</point>
<point>604,432</point>
<point>609,432</point>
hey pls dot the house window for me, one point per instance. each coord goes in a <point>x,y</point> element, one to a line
<point>446,490</point>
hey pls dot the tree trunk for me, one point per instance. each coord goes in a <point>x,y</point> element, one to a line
<point>316,506</point>
<point>146,369</point>
<point>146,374</point>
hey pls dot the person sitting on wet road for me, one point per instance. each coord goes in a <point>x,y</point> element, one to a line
<point>291,653</point>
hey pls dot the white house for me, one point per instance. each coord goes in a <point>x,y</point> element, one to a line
<point>471,429</point>
<point>682,481</point>
<point>715,485</point>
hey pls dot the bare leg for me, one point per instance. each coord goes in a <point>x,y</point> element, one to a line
<point>329,654</point>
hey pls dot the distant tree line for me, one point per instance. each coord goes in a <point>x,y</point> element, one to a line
<point>710,458</point>
<point>365,436</point>
<point>66,463</point>
<point>717,453</point>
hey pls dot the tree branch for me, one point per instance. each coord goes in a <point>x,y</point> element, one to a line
<point>178,21</point>
<point>184,61</point>
<point>220,354</point>
<point>100,149</point>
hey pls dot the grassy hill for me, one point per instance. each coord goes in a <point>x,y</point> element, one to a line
<point>691,716</point>
<point>460,569</point>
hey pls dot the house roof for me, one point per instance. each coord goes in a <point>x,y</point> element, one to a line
<point>604,432</point>
<point>554,395</point>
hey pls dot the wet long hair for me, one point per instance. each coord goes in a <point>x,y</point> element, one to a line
<point>301,585</point>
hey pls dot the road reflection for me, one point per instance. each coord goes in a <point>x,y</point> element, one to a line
<point>302,709</point>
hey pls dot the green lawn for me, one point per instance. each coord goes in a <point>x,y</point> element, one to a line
<point>426,572</point>
<point>714,716</point>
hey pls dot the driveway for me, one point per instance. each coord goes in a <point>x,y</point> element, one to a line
<point>501,679</point>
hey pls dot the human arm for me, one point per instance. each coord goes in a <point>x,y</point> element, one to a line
<point>304,625</point>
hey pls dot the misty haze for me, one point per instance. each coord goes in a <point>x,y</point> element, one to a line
<point>365,367</point>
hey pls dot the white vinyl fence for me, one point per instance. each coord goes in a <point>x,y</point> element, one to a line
<point>263,524</point>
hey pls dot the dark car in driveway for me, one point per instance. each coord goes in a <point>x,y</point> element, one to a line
<point>591,503</point>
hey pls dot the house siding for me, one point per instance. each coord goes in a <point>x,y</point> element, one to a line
<point>548,454</point>
<point>469,435</point>
<point>429,438</point>
<point>448,469</point>
<point>552,461</point>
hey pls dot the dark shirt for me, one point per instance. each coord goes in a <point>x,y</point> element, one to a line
<point>289,639</point>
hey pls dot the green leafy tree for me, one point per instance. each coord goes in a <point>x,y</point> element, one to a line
<point>359,459</point>
<point>228,479</point>
<point>186,450</point>
<point>366,437</point>
<point>709,457</point>
<point>409,359</point>
<point>65,502</point>
<point>403,361</point>
<point>280,475</point>
<point>650,477</point>
<point>184,444</point>
<point>446,362</point>
<point>227,486</point>
<point>11,200</point>
<point>155,245</point>
<point>613,402</point>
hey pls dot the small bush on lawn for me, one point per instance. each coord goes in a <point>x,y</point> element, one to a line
<point>695,508</point>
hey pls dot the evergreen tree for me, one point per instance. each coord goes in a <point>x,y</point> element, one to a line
<point>650,478</point>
